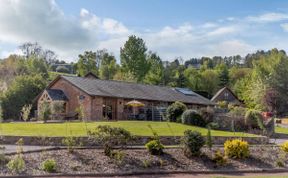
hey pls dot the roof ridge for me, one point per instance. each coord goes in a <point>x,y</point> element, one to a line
<point>121,81</point>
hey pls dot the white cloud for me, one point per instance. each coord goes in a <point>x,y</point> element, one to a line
<point>106,25</point>
<point>68,36</point>
<point>209,25</point>
<point>47,24</point>
<point>222,31</point>
<point>284,26</point>
<point>268,17</point>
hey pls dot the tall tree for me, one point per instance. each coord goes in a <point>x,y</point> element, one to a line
<point>87,63</point>
<point>108,66</point>
<point>193,78</point>
<point>223,74</point>
<point>155,74</point>
<point>133,57</point>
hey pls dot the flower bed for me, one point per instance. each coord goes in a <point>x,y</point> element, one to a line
<point>133,160</point>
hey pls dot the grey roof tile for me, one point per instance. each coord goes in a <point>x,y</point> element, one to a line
<point>121,89</point>
<point>56,94</point>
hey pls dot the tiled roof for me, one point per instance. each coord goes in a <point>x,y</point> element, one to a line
<point>120,89</point>
<point>56,94</point>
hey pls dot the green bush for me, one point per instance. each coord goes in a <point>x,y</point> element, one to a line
<point>49,165</point>
<point>236,148</point>
<point>207,114</point>
<point>219,158</point>
<point>110,136</point>
<point>17,164</point>
<point>214,125</point>
<point>191,117</point>
<point>155,147</point>
<point>70,142</point>
<point>193,142</point>
<point>254,119</point>
<point>175,110</point>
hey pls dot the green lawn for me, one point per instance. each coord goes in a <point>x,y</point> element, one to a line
<point>281,130</point>
<point>79,128</point>
<point>53,75</point>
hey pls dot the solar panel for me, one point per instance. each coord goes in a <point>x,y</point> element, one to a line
<point>185,91</point>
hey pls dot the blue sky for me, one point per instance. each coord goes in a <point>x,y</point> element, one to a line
<point>171,28</point>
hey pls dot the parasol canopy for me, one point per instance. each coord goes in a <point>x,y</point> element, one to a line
<point>135,103</point>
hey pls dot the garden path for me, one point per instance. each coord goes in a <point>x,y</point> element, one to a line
<point>13,148</point>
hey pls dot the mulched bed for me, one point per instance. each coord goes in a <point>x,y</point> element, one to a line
<point>94,161</point>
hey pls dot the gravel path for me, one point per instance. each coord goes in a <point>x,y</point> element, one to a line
<point>12,148</point>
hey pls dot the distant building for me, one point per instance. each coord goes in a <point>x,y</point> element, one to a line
<point>225,94</point>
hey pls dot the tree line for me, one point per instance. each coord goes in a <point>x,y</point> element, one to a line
<point>259,79</point>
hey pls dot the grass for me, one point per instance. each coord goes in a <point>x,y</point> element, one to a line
<point>282,130</point>
<point>79,129</point>
<point>53,75</point>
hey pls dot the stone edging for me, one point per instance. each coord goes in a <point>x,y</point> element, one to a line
<point>133,173</point>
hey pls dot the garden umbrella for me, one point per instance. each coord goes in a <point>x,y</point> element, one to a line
<point>135,103</point>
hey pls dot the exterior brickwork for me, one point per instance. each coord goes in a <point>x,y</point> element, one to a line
<point>98,107</point>
<point>73,94</point>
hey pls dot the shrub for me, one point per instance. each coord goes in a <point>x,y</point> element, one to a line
<point>207,114</point>
<point>17,164</point>
<point>191,117</point>
<point>118,156</point>
<point>193,142</point>
<point>254,119</point>
<point>284,147</point>
<point>223,104</point>
<point>70,142</point>
<point>175,110</point>
<point>219,158</point>
<point>26,109</point>
<point>49,165</point>
<point>155,147</point>
<point>236,148</point>
<point>110,136</point>
<point>214,125</point>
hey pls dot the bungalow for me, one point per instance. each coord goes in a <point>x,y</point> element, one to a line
<point>107,99</point>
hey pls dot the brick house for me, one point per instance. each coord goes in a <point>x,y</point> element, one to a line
<point>225,94</point>
<point>106,99</point>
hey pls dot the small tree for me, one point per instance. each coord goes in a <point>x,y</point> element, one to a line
<point>209,142</point>
<point>26,112</point>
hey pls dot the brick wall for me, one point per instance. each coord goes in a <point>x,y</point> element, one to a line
<point>73,94</point>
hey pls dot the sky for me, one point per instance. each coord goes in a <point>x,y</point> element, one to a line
<point>171,28</point>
